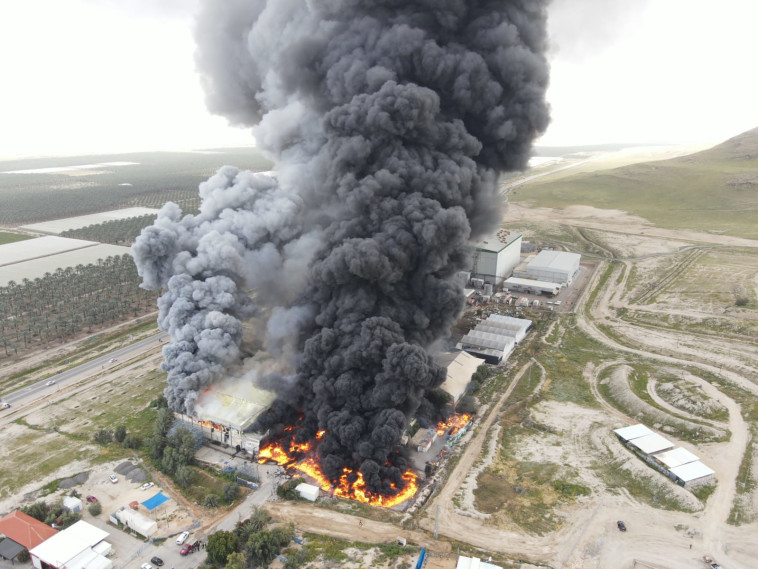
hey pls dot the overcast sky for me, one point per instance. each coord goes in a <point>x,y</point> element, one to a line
<point>106,75</point>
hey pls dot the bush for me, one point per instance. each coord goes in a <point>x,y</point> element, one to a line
<point>103,437</point>
<point>231,491</point>
<point>95,509</point>
<point>132,441</point>
<point>120,434</point>
<point>211,501</point>
<point>184,476</point>
<point>287,490</point>
<point>220,545</point>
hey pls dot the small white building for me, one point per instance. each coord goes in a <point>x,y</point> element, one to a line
<point>529,286</point>
<point>627,434</point>
<point>81,546</point>
<point>676,457</point>
<point>693,474</point>
<point>495,257</point>
<point>308,491</point>
<point>651,444</point>
<point>552,266</point>
<point>136,521</point>
<point>72,504</point>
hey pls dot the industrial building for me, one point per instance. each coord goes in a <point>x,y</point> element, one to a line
<point>515,284</point>
<point>226,411</point>
<point>460,366</point>
<point>494,339</point>
<point>495,257</point>
<point>679,464</point>
<point>550,266</point>
<point>81,546</point>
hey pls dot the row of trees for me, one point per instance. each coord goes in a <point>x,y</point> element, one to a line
<point>120,435</point>
<point>115,232</point>
<point>250,545</point>
<point>68,302</point>
<point>172,448</point>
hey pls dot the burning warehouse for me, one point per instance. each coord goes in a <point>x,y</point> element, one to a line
<point>226,411</point>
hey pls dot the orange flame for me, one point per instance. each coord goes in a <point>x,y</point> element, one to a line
<point>343,488</point>
<point>453,424</point>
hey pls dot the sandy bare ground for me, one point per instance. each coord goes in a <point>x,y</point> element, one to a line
<point>616,221</point>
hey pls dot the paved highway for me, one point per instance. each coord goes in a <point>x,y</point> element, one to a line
<point>106,361</point>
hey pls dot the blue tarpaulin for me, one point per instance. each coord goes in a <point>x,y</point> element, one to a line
<point>155,501</point>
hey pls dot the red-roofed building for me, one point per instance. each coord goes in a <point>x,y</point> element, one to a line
<point>25,530</point>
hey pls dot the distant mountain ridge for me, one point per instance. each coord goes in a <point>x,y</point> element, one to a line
<point>712,190</point>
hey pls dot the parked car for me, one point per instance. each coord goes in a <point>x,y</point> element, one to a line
<point>157,561</point>
<point>113,478</point>
<point>91,499</point>
<point>182,537</point>
<point>621,525</point>
<point>147,485</point>
<point>51,382</point>
<point>190,548</point>
<point>146,566</point>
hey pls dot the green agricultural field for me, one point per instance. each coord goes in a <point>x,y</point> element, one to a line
<point>12,237</point>
<point>715,190</point>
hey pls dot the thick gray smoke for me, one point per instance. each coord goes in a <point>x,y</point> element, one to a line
<point>389,122</point>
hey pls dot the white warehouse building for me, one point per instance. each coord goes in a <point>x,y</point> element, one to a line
<point>496,256</point>
<point>552,266</point>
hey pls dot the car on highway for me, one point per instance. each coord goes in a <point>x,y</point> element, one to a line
<point>51,382</point>
<point>157,561</point>
<point>5,405</point>
<point>621,525</point>
<point>113,478</point>
<point>110,361</point>
<point>182,537</point>
<point>91,499</point>
<point>146,485</point>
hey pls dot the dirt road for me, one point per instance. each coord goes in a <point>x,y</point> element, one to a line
<point>335,524</point>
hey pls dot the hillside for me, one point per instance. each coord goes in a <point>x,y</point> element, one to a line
<point>715,190</point>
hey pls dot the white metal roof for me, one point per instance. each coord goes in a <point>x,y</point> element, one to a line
<point>555,260</point>
<point>234,401</point>
<point>137,521</point>
<point>69,543</point>
<point>459,371</point>
<point>515,281</point>
<point>633,432</point>
<point>508,322</point>
<point>474,563</point>
<point>676,457</point>
<point>650,444</point>
<point>692,471</point>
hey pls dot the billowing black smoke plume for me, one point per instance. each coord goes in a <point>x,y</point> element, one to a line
<point>389,122</point>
